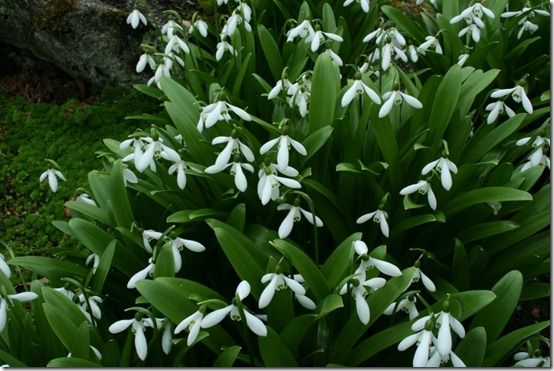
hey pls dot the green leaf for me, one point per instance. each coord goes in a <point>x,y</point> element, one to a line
<point>417,220</point>
<point>328,21</point>
<point>404,23</point>
<point>237,217</point>
<point>323,97</point>
<point>81,341</point>
<point>185,216</point>
<point>72,362</point>
<point>271,52</point>
<point>341,259</point>
<point>227,357</point>
<point>315,280</point>
<point>487,229</point>
<point>496,315</point>
<point>293,335</point>
<point>460,267</point>
<point>64,305</point>
<point>121,207</point>
<point>94,212</point>
<point>11,360</point>
<point>534,291</point>
<point>274,351</point>
<point>165,265</point>
<point>328,305</point>
<point>99,183</point>
<point>507,344</point>
<point>483,195</point>
<point>64,329</point>
<point>149,90</point>
<point>53,269</point>
<point>472,348</point>
<point>315,141</point>
<point>244,256</point>
<point>103,267</point>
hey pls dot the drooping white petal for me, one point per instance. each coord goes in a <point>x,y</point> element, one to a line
<point>23,296</point>
<point>310,217</point>
<point>52,181</point>
<point>267,293</point>
<point>286,225</point>
<point>386,267</point>
<point>305,301</point>
<point>360,247</point>
<point>364,218</point>
<point>412,101</point>
<point>429,285</point>
<point>296,287</point>
<point>140,275</point>
<point>457,327</point>
<point>456,361</point>
<point>255,324</point>
<point>431,199</point>
<point>243,289</point>
<point>3,313</point>
<point>407,341</point>
<point>120,325</point>
<point>213,318</point>
<point>141,346</point>
<point>386,107</point>
<point>166,339</point>
<point>422,352</point>
<point>444,338</point>
<point>446,178</point>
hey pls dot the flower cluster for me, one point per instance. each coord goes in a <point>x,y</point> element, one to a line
<point>473,16</point>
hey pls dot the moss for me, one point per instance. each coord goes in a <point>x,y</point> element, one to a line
<point>70,134</point>
<point>51,18</point>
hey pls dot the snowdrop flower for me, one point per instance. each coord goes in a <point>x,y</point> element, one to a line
<point>359,87</point>
<point>21,297</point>
<point>395,98</point>
<point>145,59</point>
<point>269,183</point>
<point>142,274</point>
<point>175,44</point>
<point>407,305</point>
<point>319,36</point>
<point>444,166</point>
<point>200,26</point>
<point>129,176</point>
<point>334,57</point>
<point>526,25</point>
<point>300,99</point>
<point>294,216</point>
<point>94,259</point>
<point>135,18</point>
<point>222,47</point>
<point>179,167</point>
<point>423,187</point>
<point>285,143</point>
<point>518,95</point>
<point>368,262</point>
<point>149,235</point>
<point>253,322</point>
<point>462,59</point>
<point>305,301</point>
<point>363,3</point>
<point>359,287</point>
<point>192,325</point>
<point>137,144</point>
<point>496,108</point>
<point>53,176</point>
<point>238,174</point>
<point>472,30</point>
<point>137,326</point>
<point>444,338</point>
<point>283,84</point>
<point>430,42</point>
<point>219,111</point>
<point>418,274</point>
<point>86,199</point>
<point>524,359</point>
<point>387,53</point>
<point>170,27</point>
<point>278,281</point>
<point>379,216</point>
<point>164,69</point>
<point>65,290</point>
<point>177,246</point>
<point>304,30</point>
<point>412,52</point>
<point>4,268</point>
<point>472,13</point>
<point>535,159</point>
<point>234,145</point>
<point>90,305</point>
<point>424,338</point>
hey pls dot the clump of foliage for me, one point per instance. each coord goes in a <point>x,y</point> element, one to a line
<point>330,184</point>
<point>71,133</point>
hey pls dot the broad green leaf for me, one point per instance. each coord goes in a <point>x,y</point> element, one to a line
<point>328,21</point>
<point>417,220</point>
<point>64,329</point>
<point>473,85</point>
<point>274,352</point>
<point>240,76</point>
<point>11,360</point>
<point>244,256</point>
<point>487,229</point>
<point>460,267</point>
<point>483,195</point>
<point>323,97</point>
<point>185,216</point>
<point>328,305</point>
<point>227,357</point>
<point>149,91</point>
<point>99,183</point>
<point>81,341</point>
<point>121,207</point>
<point>507,344</point>
<point>237,217</point>
<point>103,267</point>
<point>315,141</point>
<point>534,291</point>
<point>271,52</point>
<point>94,212</point>
<point>315,280</point>
<point>341,259</point>
<point>496,315</point>
<point>165,265</point>
<point>54,269</point>
<point>473,347</point>
<point>72,362</point>
<point>404,23</point>
<point>64,305</point>
<point>293,335</point>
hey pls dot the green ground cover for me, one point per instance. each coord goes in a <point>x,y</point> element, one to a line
<point>70,134</point>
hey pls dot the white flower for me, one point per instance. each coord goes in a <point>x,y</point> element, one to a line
<point>253,322</point>
<point>285,143</point>
<point>219,111</point>
<point>300,99</point>
<point>363,3</point>
<point>283,84</point>
<point>497,108</point>
<point>518,95</point>
<point>175,44</point>
<point>86,199</point>
<point>135,18</point>
<point>412,52</point>
<point>269,183</point>
<point>169,27</point>
<point>473,30</point>
<point>95,259</point>
<point>137,326</point>
<point>234,145</point>
<point>4,268</point>
<point>68,293</point>
<point>444,338</point>
<point>407,305</point>
<point>462,59</point>
<point>395,98</point>
<point>304,30</point>
<point>179,167</point>
<point>278,281</point>
<point>444,166</point>
<point>334,57</point>
<point>222,47</point>
<point>379,216</point>
<point>192,325</point>
<point>149,235</point>
<point>430,42</point>
<point>535,159</point>
<point>90,305</point>
<point>530,13</point>
<point>294,216</point>
<point>201,26</point>
<point>142,274</point>
<point>359,287</point>
<point>368,262</point>
<point>129,176</point>
<point>472,13</point>
<point>418,274</point>
<point>177,245</point>
<point>423,187</point>
<point>358,87</point>
<point>524,359</point>
<point>424,339</point>
<point>145,59</point>
<point>319,36</point>
<point>21,297</point>
<point>52,175</point>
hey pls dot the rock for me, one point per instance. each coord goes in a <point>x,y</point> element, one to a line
<point>88,39</point>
